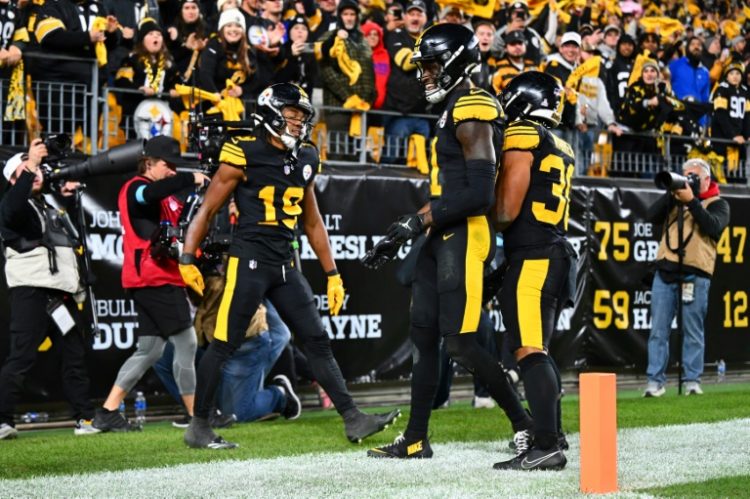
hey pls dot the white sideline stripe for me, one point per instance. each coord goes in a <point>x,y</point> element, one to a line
<point>648,457</point>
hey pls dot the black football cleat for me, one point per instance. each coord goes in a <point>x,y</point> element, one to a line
<point>403,449</point>
<point>199,435</point>
<point>359,425</point>
<point>535,459</point>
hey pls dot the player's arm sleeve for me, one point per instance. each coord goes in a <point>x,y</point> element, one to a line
<point>233,154</point>
<point>475,112</point>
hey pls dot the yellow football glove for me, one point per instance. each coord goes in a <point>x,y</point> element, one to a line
<point>335,293</point>
<point>192,277</point>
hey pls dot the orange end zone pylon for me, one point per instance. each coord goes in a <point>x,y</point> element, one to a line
<point>598,399</point>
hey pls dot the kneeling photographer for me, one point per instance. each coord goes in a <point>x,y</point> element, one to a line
<point>694,216</point>
<point>150,275</point>
<point>42,273</point>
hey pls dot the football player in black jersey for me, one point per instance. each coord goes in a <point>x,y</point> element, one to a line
<point>447,290</point>
<point>532,202</point>
<point>270,172</point>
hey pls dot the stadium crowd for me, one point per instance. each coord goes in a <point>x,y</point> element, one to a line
<point>636,70</point>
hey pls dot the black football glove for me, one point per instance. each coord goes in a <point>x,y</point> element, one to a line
<point>381,253</point>
<point>405,228</point>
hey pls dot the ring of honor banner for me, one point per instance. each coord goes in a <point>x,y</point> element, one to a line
<point>607,327</point>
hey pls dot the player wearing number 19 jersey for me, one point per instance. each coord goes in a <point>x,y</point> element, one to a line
<point>270,171</point>
<point>532,205</point>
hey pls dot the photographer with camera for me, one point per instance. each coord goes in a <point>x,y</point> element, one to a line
<point>42,272</point>
<point>150,274</point>
<point>692,207</point>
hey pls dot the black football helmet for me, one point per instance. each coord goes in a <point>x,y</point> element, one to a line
<point>275,98</point>
<point>534,95</point>
<point>454,48</point>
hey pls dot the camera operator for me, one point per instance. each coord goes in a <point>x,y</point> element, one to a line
<point>42,273</point>
<point>705,216</point>
<point>147,206</point>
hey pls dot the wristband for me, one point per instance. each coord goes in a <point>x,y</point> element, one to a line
<point>333,272</point>
<point>187,259</point>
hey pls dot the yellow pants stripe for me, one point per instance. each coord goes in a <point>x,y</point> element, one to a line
<point>477,250</point>
<point>222,319</point>
<point>529,299</point>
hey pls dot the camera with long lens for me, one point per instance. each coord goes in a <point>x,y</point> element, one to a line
<point>57,167</point>
<point>671,181</point>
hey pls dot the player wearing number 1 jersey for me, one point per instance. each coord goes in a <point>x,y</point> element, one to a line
<point>532,206</point>
<point>447,285</point>
<point>270,171</point>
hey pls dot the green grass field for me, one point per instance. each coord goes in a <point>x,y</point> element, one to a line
<point>59,452</point>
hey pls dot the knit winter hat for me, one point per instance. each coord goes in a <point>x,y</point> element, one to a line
<point>147,25</point>
<point>231,16</point>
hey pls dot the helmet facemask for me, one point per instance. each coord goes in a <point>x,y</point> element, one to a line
<point>447,76</point>
<point>279,127</point>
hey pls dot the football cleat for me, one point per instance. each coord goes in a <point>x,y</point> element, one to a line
<point>360,425</point>
<point>199,435</point>
<point>535,459</point>
<point>403,449</point>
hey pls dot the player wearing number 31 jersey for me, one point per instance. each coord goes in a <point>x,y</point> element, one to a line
<point>532,205</point>
<point>270,171</point>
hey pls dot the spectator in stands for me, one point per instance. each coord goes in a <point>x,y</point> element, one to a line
<point>228,57</point>
<point>711,53</point>
<point>485,31</point>
<point>514,62</point>
<point>149,69</point>
<point>394,17</point>
<point>265,33</point>
<point>608,45</point>
<point>299,64</point>
<point>690,80</point>
<point>560,65</point>
<point>648,42</point>
<point>321,17</point>
<point>129,15</point>
<point>518,18</point>
<point>42,275</point>
<point>618,71</point>
<point>187,38</point>
<point>593,111</point>
<point>731,117</point>
<point>70,29</point>
<point>705,218</point>
<point>451,14</point>
<point>643,110</point>
<point>405,93</point>
<point>380,59</point>
<point>346,69</point>
<point>733,53</point>
<point>14,39</point>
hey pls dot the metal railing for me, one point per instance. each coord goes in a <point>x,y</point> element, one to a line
<point>64,106</point>
<point>624,163</point>
<point>61,107</point>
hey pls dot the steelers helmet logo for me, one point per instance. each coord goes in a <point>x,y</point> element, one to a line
<point>307,172</point>
<point>265,97</point>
